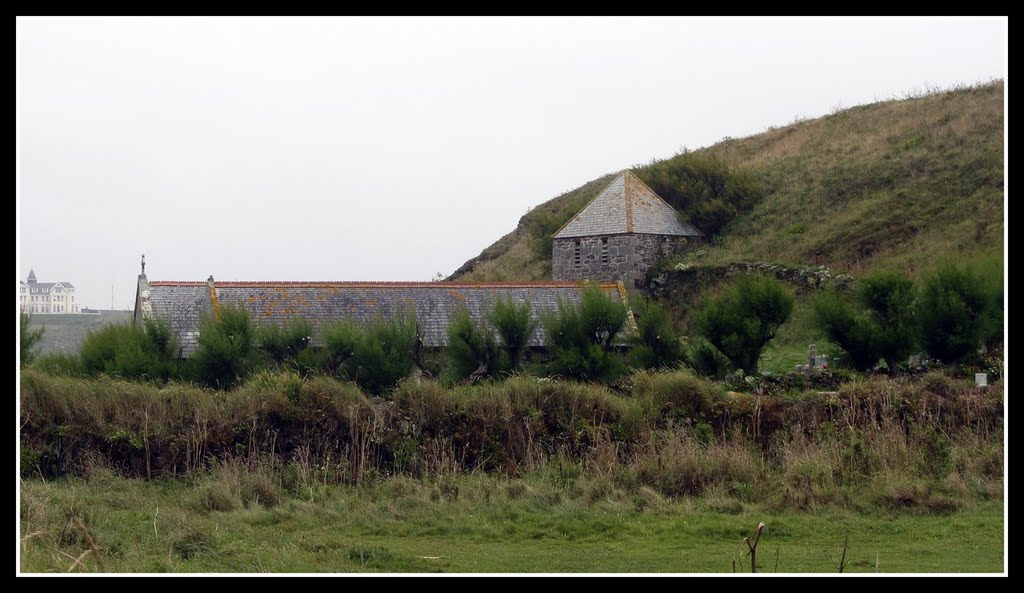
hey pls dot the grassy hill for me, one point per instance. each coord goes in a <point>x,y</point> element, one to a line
<point>896,184</point>
<point>65,332</point>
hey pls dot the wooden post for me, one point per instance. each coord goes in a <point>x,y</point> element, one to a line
<point>753,546</point>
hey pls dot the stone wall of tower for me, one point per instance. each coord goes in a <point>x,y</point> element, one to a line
<point>608,258</point>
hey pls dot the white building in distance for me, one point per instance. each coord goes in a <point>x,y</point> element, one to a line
<point>46,297</point>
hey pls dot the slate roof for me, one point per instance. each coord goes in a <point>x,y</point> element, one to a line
<point>33,283</point>
<point>47,285</point>
<point>320,303</point>
<point>627,205</point>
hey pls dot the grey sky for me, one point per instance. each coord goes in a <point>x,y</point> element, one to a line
<point>393,149</point>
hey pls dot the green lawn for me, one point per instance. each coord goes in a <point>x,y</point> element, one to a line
<point>473,524</point>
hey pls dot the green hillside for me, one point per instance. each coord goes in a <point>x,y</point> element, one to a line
<point>65,332</point>
<point>899,184</point>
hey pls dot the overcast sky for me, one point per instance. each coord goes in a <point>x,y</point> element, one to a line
<point>393,149</point>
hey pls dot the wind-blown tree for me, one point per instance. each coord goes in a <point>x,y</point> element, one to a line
<point>960,309</point>
<point>745,318</point>
<point>472,352</point>
<point>582,337</point>
<point>515,326</point>
<point>656,343</point>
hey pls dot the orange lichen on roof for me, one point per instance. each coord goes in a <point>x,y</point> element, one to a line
<point>457,294</point>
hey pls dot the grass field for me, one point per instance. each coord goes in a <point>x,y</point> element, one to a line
<point>474,523</point>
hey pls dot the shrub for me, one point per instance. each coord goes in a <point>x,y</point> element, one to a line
<point>376,356</point>
<point>848,327</point>
<point>283,343</point>
<point>28,339</point>
<point>131,351</point>
<point>471,350</point>
<point>581,338</point>
<point>704,358</point>
<point>656,343</point>
<point>310,361</point>
<point>225,347</point>
<point>745,318</point>
<point>889,296</point>
<point>704,189</point>
<point>959,310</point>
<point>515,327</point>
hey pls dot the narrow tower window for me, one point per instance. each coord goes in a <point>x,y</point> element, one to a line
<point>604,252</point>
<point>576,255</point>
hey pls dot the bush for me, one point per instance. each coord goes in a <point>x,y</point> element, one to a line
<point>471,350</point>
<point>225,347</point>
<point>705,190</point>
<point>310,361</point>
<point>515,327</point>
<point>131,351</point>
<point>889,296</point>
<point>376,356</point>
<point>28,339</point>
<point>581,338</point>
<point>704,358</point>
<point>283,343</point>
<point>745,318</point>
<point>656,343</point>
<point>848,327</point>
<point>959,310</point>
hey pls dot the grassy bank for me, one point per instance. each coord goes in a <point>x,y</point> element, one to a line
<point>546,521</point>
<point>662,472</point>
<point>930,442</point>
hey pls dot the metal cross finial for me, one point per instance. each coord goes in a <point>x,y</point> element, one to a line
<point>143,263</point>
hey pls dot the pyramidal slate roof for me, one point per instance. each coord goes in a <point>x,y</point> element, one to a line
<point>182,304</point>
<point>627,205</point>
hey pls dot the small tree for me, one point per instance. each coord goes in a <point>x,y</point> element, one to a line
<point>849,327</point>
<point>656,343</point>
<point>959,310</point>
<point>225,348</point>
<point>889,296</point>
<point>515,327</point>
<point>471,350</point>
<point>881,325</point>
<point>28,339</point>
<point>745,318</point>
<point>582,338</point>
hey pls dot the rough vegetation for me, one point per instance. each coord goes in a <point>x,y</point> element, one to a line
<point>896,184</point>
